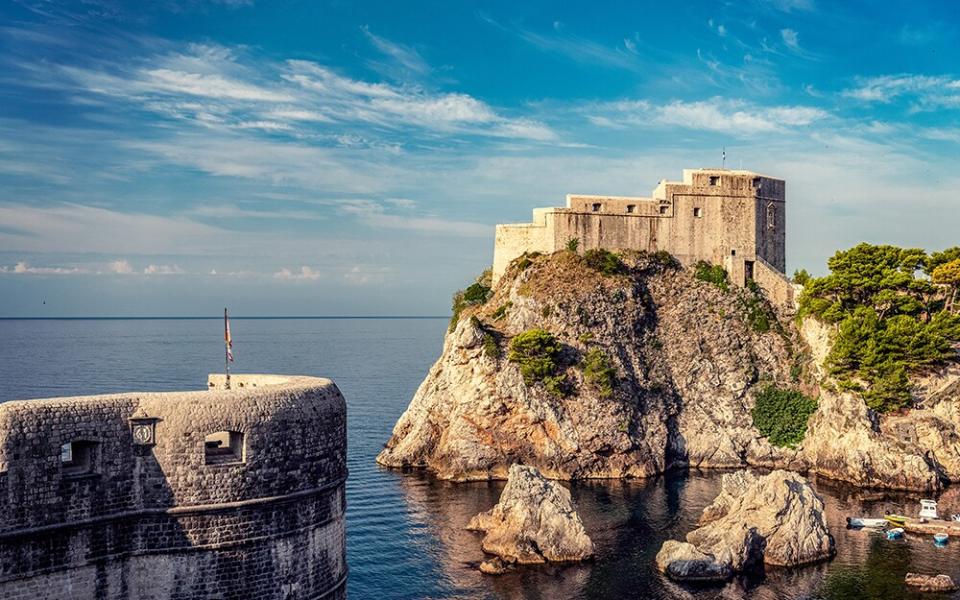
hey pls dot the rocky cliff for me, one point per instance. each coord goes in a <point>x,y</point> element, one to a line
<point>680,362</point>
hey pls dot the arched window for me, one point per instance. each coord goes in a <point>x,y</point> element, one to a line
<point>223,447</point>
<point>79,457</point>
<point>771,216</point>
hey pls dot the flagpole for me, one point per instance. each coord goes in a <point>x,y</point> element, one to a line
<point>226,346</point>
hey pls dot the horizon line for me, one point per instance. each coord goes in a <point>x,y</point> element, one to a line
<point>200,318</point>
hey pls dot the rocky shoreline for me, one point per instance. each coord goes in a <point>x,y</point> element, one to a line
<point>688,359</point>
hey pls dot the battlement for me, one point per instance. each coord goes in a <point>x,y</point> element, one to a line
<point>181,480</point>
<point>734,218</point>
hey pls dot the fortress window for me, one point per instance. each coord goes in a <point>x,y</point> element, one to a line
<point>771,216</point>
<point>78,457</point>
<point>663,209</point>
<point>714,180</point>
<point>223,447</point>
<point>631,208</point>
<point>698,212</point>
<point>756,183</point>
<point>596,207</point>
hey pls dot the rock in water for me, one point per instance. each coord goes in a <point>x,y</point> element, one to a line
<point>534,522</point>
<point>930,583</point>
<point>682,561</point>
<point>776,520</point>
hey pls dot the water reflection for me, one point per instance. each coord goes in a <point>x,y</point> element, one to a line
<point>629,520</point>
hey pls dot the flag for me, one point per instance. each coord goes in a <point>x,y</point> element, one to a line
<point>227,339</point>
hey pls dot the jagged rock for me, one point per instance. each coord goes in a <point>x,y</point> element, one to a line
<point>687,363</point>
<point>534,522</point>
<point>775,520</point>
<point>494,566</point>
<point>931,583</point>
<point>845,441</point>
<point>683,562</point>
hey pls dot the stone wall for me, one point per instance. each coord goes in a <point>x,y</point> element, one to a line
<point>725,217</point>
<point>172,517</point>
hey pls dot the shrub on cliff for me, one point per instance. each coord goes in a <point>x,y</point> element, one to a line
<point>477,293</point>
<point>714,274</point>
<point>598,372</point>
<point>537,352</point>
<point>604,261</point>
<point>890,321</point>
<point>781,415</point>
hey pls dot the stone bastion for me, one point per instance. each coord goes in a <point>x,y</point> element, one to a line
<point>218,493</point>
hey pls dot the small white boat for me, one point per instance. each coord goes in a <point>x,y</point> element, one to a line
<point>928,509</point>
<point>895,533</point>
<point>865,522</point>
<point>940,539</point>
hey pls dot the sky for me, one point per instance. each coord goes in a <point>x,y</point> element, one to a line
<point>352,158</point>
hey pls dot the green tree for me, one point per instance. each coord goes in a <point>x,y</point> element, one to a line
<point>537,352</point>
<point>948,274</point>
<point>801,277</point>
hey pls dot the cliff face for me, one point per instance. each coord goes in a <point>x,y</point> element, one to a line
<point>685,359</point>
<point>688,359</point>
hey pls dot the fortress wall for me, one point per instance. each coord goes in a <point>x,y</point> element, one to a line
<point>513,240</point>
<point>158,516</point>
<point>777,287</point>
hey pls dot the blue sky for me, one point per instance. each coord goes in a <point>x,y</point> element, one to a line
<point>329,158</point>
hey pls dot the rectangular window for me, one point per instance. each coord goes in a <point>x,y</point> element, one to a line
<point>698,212</point>
<point>714,180</point>
<point>223,447</point>
<point>631,208</point>
<point>663,209</point>
<point>596,207</point>
<point>78,458</point>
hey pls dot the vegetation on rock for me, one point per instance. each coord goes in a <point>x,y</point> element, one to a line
<point>604,261</point>
<point>890,319</point>
<point>477,293</point>
<point>573,244</point>
<point>598,372</point>
<point>537,352</point>
<point>781,415</point>
<point>714,274</point>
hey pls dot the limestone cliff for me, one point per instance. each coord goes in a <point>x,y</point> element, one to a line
<point>688,358</point>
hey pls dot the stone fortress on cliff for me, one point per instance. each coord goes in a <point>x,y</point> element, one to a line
<point>732,218</point>
<point>221,493</point>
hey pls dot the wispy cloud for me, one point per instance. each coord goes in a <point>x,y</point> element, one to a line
<point>374,215</point>
<point>928,92</point>
<point>735,117</point>
<point>402,63</point>
<point>577,48</point>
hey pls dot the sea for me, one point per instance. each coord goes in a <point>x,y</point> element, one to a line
<point>405,531</point>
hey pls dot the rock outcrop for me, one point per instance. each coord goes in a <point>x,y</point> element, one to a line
<point>534,522</point>
<point>931,583</point>
<point>776,520</point>
<point>688,359</point>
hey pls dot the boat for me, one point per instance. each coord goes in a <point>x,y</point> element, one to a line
<point>865,522</point>
<point>895,533</point>
<point>928,509</point>
<point>897,520</point>
<point>940,539</point>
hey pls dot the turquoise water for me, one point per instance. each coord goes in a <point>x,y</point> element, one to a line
<point>405,536</point>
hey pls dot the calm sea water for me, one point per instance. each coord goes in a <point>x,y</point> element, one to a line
<point>405,531</point>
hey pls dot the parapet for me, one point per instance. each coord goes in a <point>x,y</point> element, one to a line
<point>146,474</point>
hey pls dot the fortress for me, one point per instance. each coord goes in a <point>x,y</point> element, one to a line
<point>211,494</point>
<point>728,217</point>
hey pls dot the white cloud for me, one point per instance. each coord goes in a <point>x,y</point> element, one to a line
<point>121,267</point>
<point>23,268</point>
<point>928,91</point>
<point>791,38</point>
<point>206,85</point>
<point>406,61</point>
<point>305,273</point>
<point>716,114</point>
<point>163,270</point>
